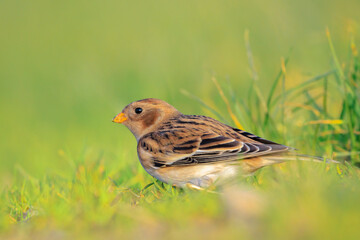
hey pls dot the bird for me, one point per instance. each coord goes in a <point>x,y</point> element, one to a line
<point>193,150</point>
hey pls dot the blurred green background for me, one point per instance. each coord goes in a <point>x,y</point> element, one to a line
<point>68,67</point>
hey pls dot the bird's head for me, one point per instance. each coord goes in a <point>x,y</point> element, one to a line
<point>144,116</point>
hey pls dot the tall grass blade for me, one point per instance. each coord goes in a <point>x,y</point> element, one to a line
<point>226,101</point>
<point>216,113</point>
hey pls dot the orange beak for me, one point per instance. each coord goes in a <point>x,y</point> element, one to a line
<point>120,118</point>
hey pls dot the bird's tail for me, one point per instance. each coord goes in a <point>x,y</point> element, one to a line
<point>297,156</point>
<point>252,164</point>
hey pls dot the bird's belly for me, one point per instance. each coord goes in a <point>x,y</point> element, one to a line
<point>199,175</point>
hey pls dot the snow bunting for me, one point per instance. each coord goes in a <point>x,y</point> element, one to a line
<point>183,149</point>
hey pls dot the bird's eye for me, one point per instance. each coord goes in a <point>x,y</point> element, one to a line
<point>138,110</point>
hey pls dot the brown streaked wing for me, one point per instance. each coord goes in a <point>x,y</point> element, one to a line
<point>214,148</point>
<point>191,142</point>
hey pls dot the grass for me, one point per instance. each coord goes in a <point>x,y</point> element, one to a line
<point>68,67</point>
<point>295,200</point>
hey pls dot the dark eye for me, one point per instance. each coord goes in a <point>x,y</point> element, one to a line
<point>138,110</point>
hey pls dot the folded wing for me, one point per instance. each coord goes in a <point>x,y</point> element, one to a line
<point>175,149</point>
